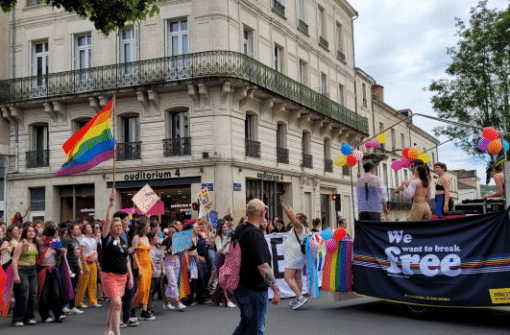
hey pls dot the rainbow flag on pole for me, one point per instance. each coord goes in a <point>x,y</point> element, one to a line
<point>91,145</point>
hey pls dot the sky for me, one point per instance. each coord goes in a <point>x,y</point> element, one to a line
<point>402,45</point>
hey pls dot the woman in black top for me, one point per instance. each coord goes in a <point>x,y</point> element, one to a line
<point>442,190</point>
<point>72,246</point>
<point>116,269</point>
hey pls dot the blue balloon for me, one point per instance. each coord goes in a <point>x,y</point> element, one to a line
<point>506,146</point>
<point>346,149</point>
<point>327,234</point>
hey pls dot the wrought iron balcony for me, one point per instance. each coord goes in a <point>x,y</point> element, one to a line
<point>279,8</point>
<point>282,155</point>
<point>323,43</point>
<point>129,151</point>
<point>40,158</point>
<point>303,26</point>
<point>252,148</point>
<point>226,65</point>
<point>307,161</point>
<point>328,165</point>
<point>180,146</point>
<point>340,55</point>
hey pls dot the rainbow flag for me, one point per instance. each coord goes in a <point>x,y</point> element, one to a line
<point>337,273</point>
<point>183,281</point>
<point>90,145</point>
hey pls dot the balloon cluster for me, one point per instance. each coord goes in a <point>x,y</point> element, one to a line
<point>409,154</point>
<point>348,156</point>
<point>375,142</point>
<point>490,142</point>
<point>333,237</point>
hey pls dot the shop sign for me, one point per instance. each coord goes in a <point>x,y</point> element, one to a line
<point>145,199</point>
<point>150,175</point>
<point>209,187</point>
<point>237,186</point>
<point>269,177</point>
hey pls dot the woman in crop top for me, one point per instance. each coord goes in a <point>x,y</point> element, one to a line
<point>499,179</point>
<point>442,190</point>
<point>25,277</point>
<point>421,191</point>
<point>12,234</point>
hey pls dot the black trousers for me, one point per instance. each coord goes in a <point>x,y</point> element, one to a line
<point>50,296</point>
<point>198,286</point>
<point>25,294</point>
<point>76,270</point>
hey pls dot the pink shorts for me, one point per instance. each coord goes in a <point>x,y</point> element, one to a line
<point>114,284</point>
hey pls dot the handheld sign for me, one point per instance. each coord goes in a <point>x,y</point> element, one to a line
<point>145,199</point>
<point>182,241</point>
<point>213,218</point>
<point>157,209</point>
<point>205,201</point>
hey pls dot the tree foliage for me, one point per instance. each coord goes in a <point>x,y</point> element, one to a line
<point>107,15</point>
<point>477,90</point>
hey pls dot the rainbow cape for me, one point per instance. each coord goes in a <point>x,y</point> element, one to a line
<point>337,273</point>
<point>183,282</point>
<point>90,145</point>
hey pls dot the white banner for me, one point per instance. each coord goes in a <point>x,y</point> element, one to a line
<point>275,244</point>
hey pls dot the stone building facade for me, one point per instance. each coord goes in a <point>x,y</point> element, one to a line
<point>244,97</point>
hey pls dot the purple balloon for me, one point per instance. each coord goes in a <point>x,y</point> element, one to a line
<point>483,143</point>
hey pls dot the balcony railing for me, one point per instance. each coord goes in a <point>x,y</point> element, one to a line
<point>33,2</point>
<point>401,200</point>
<point>282,155</point>
<point>279,8</point>
<point>252,148</point>
<point>161,71</point>
<point>307,161</point>
<point>129,151</point>
<point>303,26</point>
<point>340,55</point>
<point>177,146</point>
<point>323,43</point>
<point>37,159</point>
<point>328,165</point>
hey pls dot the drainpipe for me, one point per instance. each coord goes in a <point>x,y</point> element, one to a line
<point>355,108</point>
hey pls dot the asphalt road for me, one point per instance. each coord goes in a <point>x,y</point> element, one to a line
<point>322,316</point>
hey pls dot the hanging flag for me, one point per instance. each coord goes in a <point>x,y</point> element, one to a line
<point>91,145</point>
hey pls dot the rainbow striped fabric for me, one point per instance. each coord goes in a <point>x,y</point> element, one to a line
<point>90,145</point>
<point>337,273</point>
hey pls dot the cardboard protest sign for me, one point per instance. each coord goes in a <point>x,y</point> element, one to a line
<point>127,210</point>
<point>157,209</point>
<point>213,218</point>
<point>205,201</point>
<point>145,199</point>
<point>182,241</point>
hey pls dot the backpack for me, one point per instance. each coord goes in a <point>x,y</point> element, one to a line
<point>229,273</point>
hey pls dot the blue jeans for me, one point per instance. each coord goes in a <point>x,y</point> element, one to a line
<point>126,301</point>
<point>253,306</point>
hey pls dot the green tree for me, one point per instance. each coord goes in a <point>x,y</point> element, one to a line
<point>477,90</point>
<point>107,15</point>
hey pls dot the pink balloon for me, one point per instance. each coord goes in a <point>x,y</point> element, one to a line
<point>406,162</point>
<point>375,143</point>
<point>368,145</point>
<point>331,245</point>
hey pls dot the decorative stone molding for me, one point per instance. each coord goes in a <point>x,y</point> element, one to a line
<point>266,105</point>
<point>279,109</point>
<point>17,114</point>
<point>48,108</point>
<point>144,101</point>
<point>154,98</point>
<point>326,127</point>
<point>249,96</point>
<point>316,125</point>
<point>6,115</point>
<point>103,100</point>
<point>94,103</point>
<point>295,115</point>
<point>61,110</point>
<point>225,90</point>
<point>240,94</point>
<point>192,92</point>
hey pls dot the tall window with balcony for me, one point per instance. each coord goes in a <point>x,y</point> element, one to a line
<point>282,153</point>
<point>178,47</point>
<point>39,156</point>
<point>302,16</point>
<point>321,26</point>
<point>303,71</point>
<point>278,58</point>
<point>339,43</point>
<point>250,128</point>
<point>306,143</point>
<point>129,146</point>
<point>248,44</point>
<point>40,66</point>
<point>128,50</point>
<point>178,142</point>
<point>328,162</point>
<point>83,61</point>
<point>324,85</point>
<point>341,95</point>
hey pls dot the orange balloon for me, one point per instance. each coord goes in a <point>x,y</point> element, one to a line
<point>412,154</point>
<point>495,147</point>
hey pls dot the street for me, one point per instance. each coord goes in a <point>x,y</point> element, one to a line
<point>320,316</point>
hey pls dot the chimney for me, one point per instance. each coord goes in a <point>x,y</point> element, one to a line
<point>378,91</point>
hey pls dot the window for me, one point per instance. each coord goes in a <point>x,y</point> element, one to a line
<point>406,175</point>
<point>130,129</point>
<point>40,61</point>
<point>83,51</point>
<point>40,138</point>
<point>364,92</point>
<point>324,84</point>
<point>327,148</point>
<point>249,127</point>
<point>384,168</point>
<point>178,142</point>
<point>178,37</point>
<point>302,10</point>
<point>402,140</point>
<point>248,45</point>
<point>302,72</point>
<point>37,200</point>
<point>278,58</point>
<point>78,124</point>
<point>179,124</point>
<point>395,179</point>
<point>339,37</point>
<point>128,45</point>
<point>341,96</point>
<point>393,139</point>
<point>305,142</point>
<point>321,22</point>
<point>281,134</point>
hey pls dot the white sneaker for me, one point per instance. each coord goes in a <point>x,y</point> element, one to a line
<point>96,305</point>
<point>19,324</point>
<point>292,302</point>
<point>48,320</point>
<point>62,317</point>
<point>32,322</point>
<point>75,311</point>
<point>83,306</point>
<point>231,304</point>
<point>168,306</point>
<point>300,302</point>
<point>65,310</point>
<point>181,306</point>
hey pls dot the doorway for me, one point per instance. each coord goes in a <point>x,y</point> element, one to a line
<point>326,211</point>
